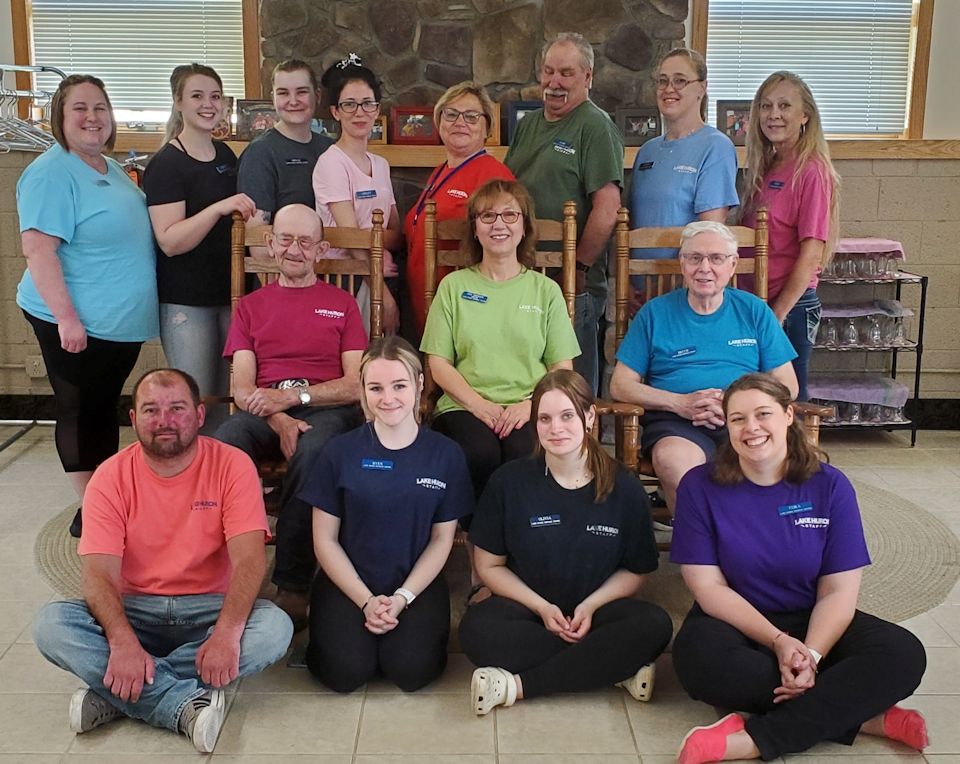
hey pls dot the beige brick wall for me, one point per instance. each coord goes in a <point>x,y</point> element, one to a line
<point>914,201</point>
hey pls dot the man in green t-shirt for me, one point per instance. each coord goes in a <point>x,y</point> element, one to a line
<point>571,150</point>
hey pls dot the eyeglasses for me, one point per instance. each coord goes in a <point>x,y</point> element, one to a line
<point>507,216</point>
<point>715,259</point>
<point>305,243</point>
<point>452,115</point>
<point>349,107</point>
<point>679,83</point>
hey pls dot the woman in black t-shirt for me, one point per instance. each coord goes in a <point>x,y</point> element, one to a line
<point>191,187</point>
<point>563,540</point>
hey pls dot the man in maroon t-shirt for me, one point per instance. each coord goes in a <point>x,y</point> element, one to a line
<point>296,346</point>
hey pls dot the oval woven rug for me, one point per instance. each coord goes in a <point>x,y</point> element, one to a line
<point>916,560</point>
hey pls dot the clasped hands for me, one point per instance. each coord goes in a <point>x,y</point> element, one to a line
<point>704,408</point>
<point>798,669</point>
<point>382,612</point>
<point>571,629</point>
<point>503,419</point>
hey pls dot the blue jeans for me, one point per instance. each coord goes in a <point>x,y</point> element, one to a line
<point>193,337</point>
<point>169,628</point>
<point>588,308</point>
<point>801,326</point>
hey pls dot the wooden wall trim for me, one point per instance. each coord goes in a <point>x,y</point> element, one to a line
<point>920,70</point>
<point>22,49</point>
<point>251,48</point>
<point>699,15</point>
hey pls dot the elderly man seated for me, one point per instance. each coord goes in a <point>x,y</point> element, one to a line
<point>296,346</point>
<point>683,348</point>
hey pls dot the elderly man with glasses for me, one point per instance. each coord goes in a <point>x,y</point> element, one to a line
<point>296,346</point>
<point>684,347</point>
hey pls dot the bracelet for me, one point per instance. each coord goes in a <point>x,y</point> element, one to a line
<point>773,644</point>
<point>364,605</point>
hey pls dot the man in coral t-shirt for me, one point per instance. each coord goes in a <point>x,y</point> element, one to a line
<point>296,346</point>
<point>173,558</point>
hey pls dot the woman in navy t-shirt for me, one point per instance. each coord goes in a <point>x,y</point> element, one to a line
<point>771,545</point>
<point>386,499</point>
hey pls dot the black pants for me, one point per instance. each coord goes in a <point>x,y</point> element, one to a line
<point>872,666</point>
<point>625,635</point>
<point>484,449</point>
<point>343,654</point>
<point>86,388</point>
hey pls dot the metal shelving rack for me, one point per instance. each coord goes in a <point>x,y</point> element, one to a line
<point>916,347</point>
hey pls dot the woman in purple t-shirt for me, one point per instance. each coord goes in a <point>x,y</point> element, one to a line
<point>789,172</point>
<point>770,542</point>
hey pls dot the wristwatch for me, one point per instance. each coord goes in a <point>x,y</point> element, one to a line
<point>305,397</point>
<point>407,595</point>
<point>582,266</point>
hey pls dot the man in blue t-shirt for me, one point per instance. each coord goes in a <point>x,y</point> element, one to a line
<point>685,347</point>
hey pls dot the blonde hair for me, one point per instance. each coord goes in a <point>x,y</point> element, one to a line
<point>178,81</point>
<point>602,466</point>
<point>392,348</point>
<point>812,146</point>
<point>699,64</point>
<point>467,87</point>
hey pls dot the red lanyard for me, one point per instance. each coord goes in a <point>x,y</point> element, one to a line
<point>431,190</point>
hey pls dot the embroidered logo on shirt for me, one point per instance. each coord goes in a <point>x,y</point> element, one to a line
<point>563,147</point>
<point>743,342</point>
<point>812,522</point>
<point>457,193</point>
<point>530,309</point>
<point>202,504</point>
<point>690,170</point>
<point>432,483</point>
<point>603,530</point>
<point>329,313</point>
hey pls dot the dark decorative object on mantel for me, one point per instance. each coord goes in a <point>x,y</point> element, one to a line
<point>637,126</point>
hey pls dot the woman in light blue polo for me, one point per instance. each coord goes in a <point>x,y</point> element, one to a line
<point>689,173</point>
<point>90,289</point>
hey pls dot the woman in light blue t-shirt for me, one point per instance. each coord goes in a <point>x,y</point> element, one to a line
<point>90,289</point>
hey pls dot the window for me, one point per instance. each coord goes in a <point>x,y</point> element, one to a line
<point>133,45</point>
<point>854,54</point>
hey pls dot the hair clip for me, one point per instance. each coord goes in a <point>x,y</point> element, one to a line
<point>352,60</point>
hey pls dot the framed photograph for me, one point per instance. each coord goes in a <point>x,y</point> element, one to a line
<point>413,125</point>
<point>224,127</point>
<point>328,127</point>
<point>494,139</point>
<point>254,118</point>
<point>379,132</point>
<point>517,110</point>
<point>733,117</point>
<point>637,126</point>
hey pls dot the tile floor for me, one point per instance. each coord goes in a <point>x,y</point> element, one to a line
<point>283,716</point>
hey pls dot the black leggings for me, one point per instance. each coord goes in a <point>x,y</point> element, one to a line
<point>484,449</point>
<point>86,388</point>
<point>343,654</point>
<point>872,666</point>
<point>625,635</point>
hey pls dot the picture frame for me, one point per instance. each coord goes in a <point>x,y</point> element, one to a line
<point>254,118</point>
<point>224,128</point>
<point>413,126</point>
<point>517,110</point>
<point>733,119</point>
<point>494,138</point>
<point>378,135</point>
<point>637,125</point>
<point>328,127</point>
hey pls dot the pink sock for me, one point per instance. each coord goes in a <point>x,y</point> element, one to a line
<point>703,744</point>
<point>906,726</point>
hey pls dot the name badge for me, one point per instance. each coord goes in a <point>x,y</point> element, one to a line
<point>225,169</point>
<point>792,509</point>
<point>563,147</point>
<point>380,465</point>
<point>776,184</point>
<point>296,162</point>
<point>474,297</point>
<point>644,165</point>
<point>370,193</point>
<point>542,521</point>
<point>102,183</point>
<point>683,352</point>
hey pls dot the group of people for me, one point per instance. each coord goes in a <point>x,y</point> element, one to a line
<point>173,526</point>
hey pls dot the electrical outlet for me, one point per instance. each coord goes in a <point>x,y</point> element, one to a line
<point>35,367</point>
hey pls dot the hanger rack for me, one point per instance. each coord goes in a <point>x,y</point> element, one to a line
<point>18,134</point>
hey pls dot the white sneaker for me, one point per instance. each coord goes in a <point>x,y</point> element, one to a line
<point>640,685</point>
<point>662,533</point>
<point>491,687</point>
<point>202,718</point>
<point>88,711</point>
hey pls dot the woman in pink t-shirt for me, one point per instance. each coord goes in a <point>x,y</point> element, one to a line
<point>348,181</point>
<point>790,173</point>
